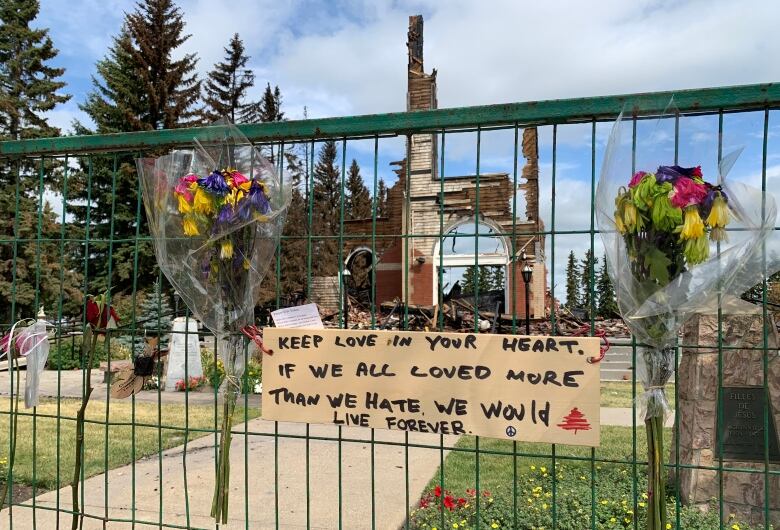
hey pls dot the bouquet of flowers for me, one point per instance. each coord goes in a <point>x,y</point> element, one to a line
<point>216,214</point>
<point>675,243</point>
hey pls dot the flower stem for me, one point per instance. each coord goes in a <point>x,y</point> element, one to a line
<point>14,422</point>
<point>80,428</point>
<point>219,504</point>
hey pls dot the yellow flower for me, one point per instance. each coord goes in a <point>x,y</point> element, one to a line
<point>719,213</point>
<point>226,249</point>
<point>184,206</point>
<point>246,264</point>
<point>612,520</point>
<point>668,526</point>
<point>544,506</point>
<point>693,226</point>
<point>630,216</point>
<point>455,525</point>
<point>735,526</point>
<point>543,469</point>
<point>604,502</point>
<point>533,468</point>
<point>190,227</point>
<point>234,196</point>
<point>718,234</point>
<point>494,525</point>
<point>202,203</point>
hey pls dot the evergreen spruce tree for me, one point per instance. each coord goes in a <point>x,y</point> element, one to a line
<point>587,269</point>
<point>327,206</point>
<point>497,278</point>
<point>358,199</point>
<point>572,282</point>
<point>156,29</point>
<point>381,198</point>
<point>607,304</point>
<point>227,84</point>
<point>268,109</point>
<point>139,86</point>
<point>477,277</point>
<point>118,101</point>
<point>39,267</point>
<point>29,87</point>
<point>155,316</point>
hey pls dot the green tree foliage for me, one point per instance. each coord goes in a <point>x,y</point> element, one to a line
<point>587,271</point>
<point>37,267</point>
<point>381,198</point>
<point>139,86</point>
<point>480,277</point>
<point>327,208</point>
<point>605,292</point>
<point>31,268</point>
<point>572,282</point>
<point>358,199</point>
<point>268,109</point>
<point>226,85</point>
<point>29,87</point>
<point>497,278</point>
<point>154,317</point>
<point>117,101</point>
<point>156,30</point>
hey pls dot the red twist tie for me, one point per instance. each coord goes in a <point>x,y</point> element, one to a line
<point>603,347</point>
<point>255,334</point>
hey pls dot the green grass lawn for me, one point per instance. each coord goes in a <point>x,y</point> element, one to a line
<point>619,394</point>
<point>123,444</point>
<point>496,460</point>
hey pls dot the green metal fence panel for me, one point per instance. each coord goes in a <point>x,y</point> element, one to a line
<point>72,168</point>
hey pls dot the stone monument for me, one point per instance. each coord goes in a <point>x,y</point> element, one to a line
<point>741,425</point>
<point>184,346</point>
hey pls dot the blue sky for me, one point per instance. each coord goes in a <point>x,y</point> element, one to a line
<point>349,57</point>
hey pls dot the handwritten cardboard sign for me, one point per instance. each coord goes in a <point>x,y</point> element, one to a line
<point>536,389</point>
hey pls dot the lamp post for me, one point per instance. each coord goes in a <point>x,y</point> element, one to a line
<point>527,272</point>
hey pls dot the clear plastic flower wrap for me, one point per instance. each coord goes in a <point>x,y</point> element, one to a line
<point>216,213</point>
<point>676,241</point>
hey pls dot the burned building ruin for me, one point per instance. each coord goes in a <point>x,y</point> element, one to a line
<point>427,215</point>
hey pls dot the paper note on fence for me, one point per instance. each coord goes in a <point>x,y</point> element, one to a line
<point>536,389</point>
<point>300,316</point>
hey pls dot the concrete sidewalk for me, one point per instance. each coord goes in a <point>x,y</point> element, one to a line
<point>390,482</point>
<point>70,384</point>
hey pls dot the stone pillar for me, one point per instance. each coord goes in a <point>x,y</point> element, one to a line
<point>743,379</point>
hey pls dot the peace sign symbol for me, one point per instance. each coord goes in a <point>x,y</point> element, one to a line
<point>511,431</point>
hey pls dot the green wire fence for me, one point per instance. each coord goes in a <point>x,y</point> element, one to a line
<point>36,162</point>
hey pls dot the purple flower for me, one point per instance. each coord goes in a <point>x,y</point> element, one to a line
<point>225,215</point>
<point>706,204</point>
<point>672,173</point>
<point>255,201</point>
<point>214,183</point>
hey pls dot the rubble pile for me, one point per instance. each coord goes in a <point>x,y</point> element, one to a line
<point>460,316</point>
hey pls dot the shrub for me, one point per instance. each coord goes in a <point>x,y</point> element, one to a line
<point>213,372</point>
<point>67,355</point>
<point>251,377</point>
<point>612,508</point>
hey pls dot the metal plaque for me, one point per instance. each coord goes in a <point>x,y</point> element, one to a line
<point>742,428</point>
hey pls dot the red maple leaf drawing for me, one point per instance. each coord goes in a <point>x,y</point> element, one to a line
<point>575,421</point>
